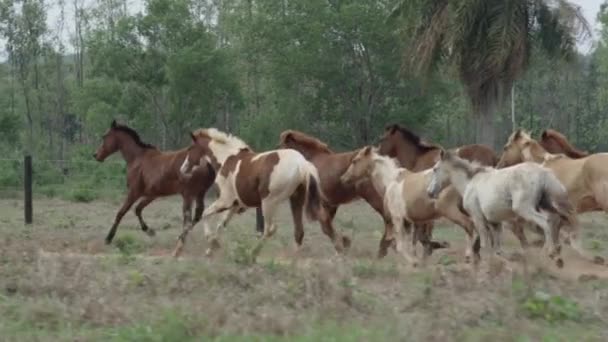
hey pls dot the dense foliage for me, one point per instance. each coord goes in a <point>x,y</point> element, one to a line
<point>255,67</point>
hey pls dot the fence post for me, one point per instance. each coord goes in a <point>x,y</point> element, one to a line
<point>259,220</point>
<point>27,187</point>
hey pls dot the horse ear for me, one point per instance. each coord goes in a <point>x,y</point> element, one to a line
<point>443,154</point>
<point>391,128</point>
<point>114,124</point>
<point>192,136</point>
<point>517,134</point>
<point>544,135</point>
<point>367,150</point>
<point>288,137</point>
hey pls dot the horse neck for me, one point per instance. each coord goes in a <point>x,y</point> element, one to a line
<point>129,149</point>
<point>309,153</point>
<point>409,155</point>
<point>383,174</point>
<point>460,179</point>
<point>538,154</point>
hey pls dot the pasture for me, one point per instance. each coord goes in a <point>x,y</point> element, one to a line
<point>59,282</point>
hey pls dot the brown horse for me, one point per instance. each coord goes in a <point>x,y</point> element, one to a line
<point>331,166</point>
<point>417,155</point>
<point>555,142</point>
<point>247,179</point>
<point>586,179</point>
<point>152,174</point>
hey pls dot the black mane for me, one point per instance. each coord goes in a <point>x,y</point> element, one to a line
<point>133,134</point>
<point>413,137</point>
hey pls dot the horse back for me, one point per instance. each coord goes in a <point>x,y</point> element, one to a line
<point>478,153</point>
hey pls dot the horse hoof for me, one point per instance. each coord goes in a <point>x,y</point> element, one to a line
<point>598,260</point>
<point>108,241</point>
<point>559,263</point>
<point>467,259</point>
<point>346,242</point>
<point>150,232</point>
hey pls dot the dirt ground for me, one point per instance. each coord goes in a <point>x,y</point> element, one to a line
<point>60,282</point>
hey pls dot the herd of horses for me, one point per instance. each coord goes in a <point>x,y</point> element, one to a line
<point>536,186</point>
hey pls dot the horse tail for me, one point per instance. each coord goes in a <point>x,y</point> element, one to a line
<point>554,198</point>
<point>314,198</point>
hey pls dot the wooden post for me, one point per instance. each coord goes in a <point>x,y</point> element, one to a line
<point>27,187</point>
<point>259,220</point>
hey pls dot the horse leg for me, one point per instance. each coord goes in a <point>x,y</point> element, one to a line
<point>450,210</point>
<point>405,239</point>
<point>340,242</point>
<point>296,202</point>
<point>269,207</point>
<point>138,212</point>
<point>131,198</point>
<point>213,236</point>
<point>200,207</point>
<point>216,207</point>
<point>541,219</point>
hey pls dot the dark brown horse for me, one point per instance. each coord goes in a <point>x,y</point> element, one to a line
<point>152,174</point>
<point>331,166</point>
<point>555,142</point>
<point>416,154</point>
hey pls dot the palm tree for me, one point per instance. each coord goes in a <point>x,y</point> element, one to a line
<point>488,42</point>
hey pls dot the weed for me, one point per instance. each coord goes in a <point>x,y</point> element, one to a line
<point>551,308</point>
<point>446,260</point>
<point>241,253</point>
<point>128,245</point>
<point>81,195</point>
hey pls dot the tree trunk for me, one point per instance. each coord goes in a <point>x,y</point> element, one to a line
<point>486,128</point>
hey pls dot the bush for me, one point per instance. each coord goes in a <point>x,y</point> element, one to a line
<point>551,308</point>
<point>128,244</point>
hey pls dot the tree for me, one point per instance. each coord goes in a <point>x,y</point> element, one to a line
<point>489,43</point>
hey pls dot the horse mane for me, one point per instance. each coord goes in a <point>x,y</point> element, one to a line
<point>470,167</point>
<point>305,140</point>
<point>413,137</point>
<point>222,138</point>
<point>563,142</point>
<point>386,159</point>
<point>133,134</point>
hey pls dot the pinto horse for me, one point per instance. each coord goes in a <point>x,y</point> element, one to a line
<point>331,166</point>
<point>586,179</point>
<point>247,179</point>
<point>417,155</point>
<point>152,174</point>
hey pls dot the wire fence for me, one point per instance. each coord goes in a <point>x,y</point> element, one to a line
<point>69,179</point>
<point>73,179</point>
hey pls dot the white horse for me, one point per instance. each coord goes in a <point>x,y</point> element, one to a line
<point>405,198</point>
<point>247,179</point>
<point>526,191</point>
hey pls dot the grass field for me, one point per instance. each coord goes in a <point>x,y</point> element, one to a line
<point>59,282</point>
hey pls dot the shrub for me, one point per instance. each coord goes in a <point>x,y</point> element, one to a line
<point>551,308</point>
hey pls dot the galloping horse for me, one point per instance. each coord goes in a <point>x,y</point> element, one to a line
<point>152,174</point>
<point>586,179</point>
<point>526,192</point>
<point>555,142</point>
<point>331,166</point>
<point>247,179</point>
<point>416,155</point>
<point>405,197</point>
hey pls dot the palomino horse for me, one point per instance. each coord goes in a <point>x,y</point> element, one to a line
<point>554,142</point>
<point>152,174</point>
<point>331,166</point>
<point>248,179</point>
<point>417,155</point>
<point>586,179</point>
<point>405,198</point>
<point>526,192</point>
